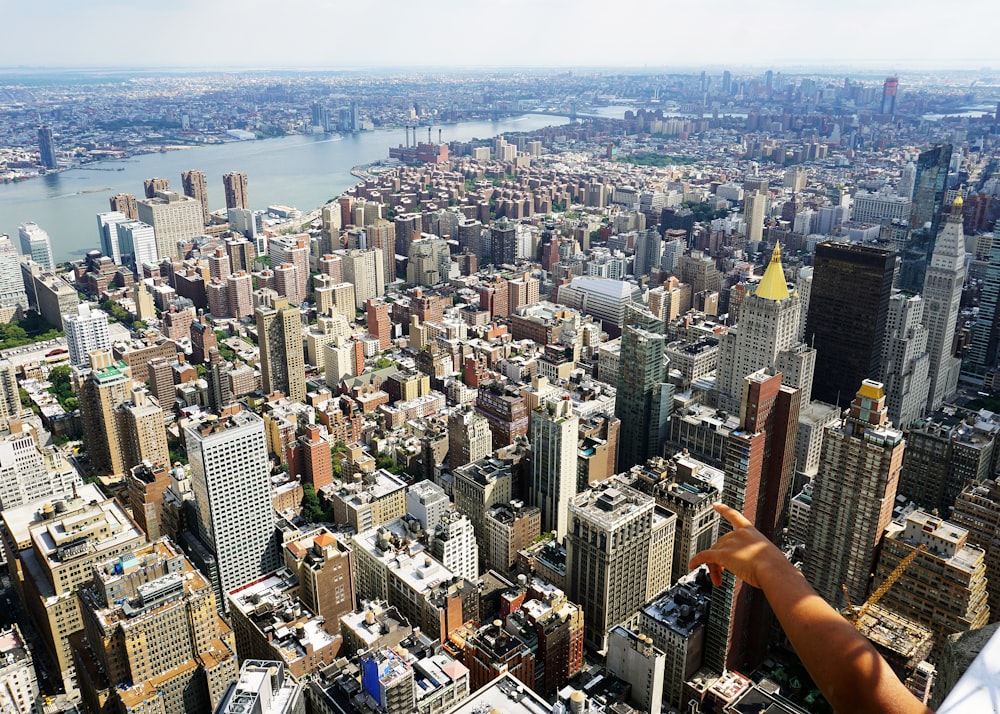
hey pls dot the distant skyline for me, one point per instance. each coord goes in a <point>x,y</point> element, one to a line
<point>889,36</point>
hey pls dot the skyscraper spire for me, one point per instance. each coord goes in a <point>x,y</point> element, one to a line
<point>773,286</point>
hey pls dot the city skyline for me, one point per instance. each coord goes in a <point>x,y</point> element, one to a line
<point>695,39</point>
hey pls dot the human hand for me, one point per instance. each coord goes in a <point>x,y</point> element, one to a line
<point>742,551</point>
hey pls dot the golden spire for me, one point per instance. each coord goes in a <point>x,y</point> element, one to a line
<point>773,286</point>
<point>958,199</point>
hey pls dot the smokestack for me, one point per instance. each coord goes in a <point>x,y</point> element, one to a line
<point>428,135</point>
<point>439,136</point>
<point>406,129</point>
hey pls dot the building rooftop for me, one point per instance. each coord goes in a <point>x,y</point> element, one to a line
<point>682,608</point>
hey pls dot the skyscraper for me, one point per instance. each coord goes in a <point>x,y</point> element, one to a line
<point>904,359</point>
<point>759,462</point>
<point>36,245</point>
<point>13,298</point>
<point>754,210</point>
<point>86,330</point>
<point>943,292</point>
<point>235,185</point>
<point>47,147</point>
<point>279,333</point>
<point>137,244</point>
<point>107,229</point>
<point>104,386</point>
<point>648,251</point>
<point>765,337</point>
<point>853,496</point>
<point>195,186</point>
<point>230,477</point>
<point>889,88</point>
<point>173,218</point>
<point>365,270</point>
<point>469,437</point>
<point>503,243</point>
<point>848,309</point>
<point>124,203</point>
<point>982,354</point>
<point>930,185</point>
<point>152,186</point>
<point>554,433</point>
<point>644,397</point>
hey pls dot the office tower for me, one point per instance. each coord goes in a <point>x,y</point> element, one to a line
<point>889,88</point>
<point>152,595</point>
<point>505,409</point>
<point>607,300</point>
<point>509,529</point>
<point>907,180</point>
<point>759,460</point>
<point>107,229</point>
<point>943,292</point>
<point>263,687</point>
<point>633,658</point>
<point>282,363</point>
<point>479,486</point>
<point>102,387</point>
<point>142,434</point>
<point>230,477</point>
<point>146,485</point>
<point>609,547</point>
<point>554,429</point>
<point>35,244</point>
<point>766,336</point>
<point>648,252</point>
<point>220,391</point>
<point>86,331</point>
<point>469,437</point>
<point>848,309</point>
<point>944,588</point>
<point>930,184</point>
<point>644,397</point>
<point>235,185</point>
<point>47,147</point>
<point>124,203</point>
<point>503,243</point>
<point>453,542</point>
<point>52,546</point>
<point>905,361</point>
<point>977,509</point>
<point>152,186</point>
<point>853,496</point>
<point>981,356</point>
<point>195,186</point>
<point>13,298</point>
<point>364,269</point>
<point>136,244</point>
<point>29,473</point>
<point>754,210</point>
<point>174,218</point>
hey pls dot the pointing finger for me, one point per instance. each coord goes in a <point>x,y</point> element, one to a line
<point>737,519</point>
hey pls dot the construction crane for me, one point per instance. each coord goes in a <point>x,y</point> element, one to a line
<point>855,615</point>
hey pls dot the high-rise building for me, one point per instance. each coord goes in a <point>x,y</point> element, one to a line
<point>644,396</point>
<point>102,387</point>
<point>904,359</point>
<point>503,243</point>
<point>759,462</point>
<point>379,322</point>
<point>13,298</point>
<point>648,252</point>
<point>943,283</point>
<point>977,509</point>
<point>86,331</point>
<point>430,261</point>
<point>324,566</point>
<point>611,543</point>
<point>282,363</point>
<point>553,483</point>
<point>382,235</point>
<point>853,496</point>
<point>364,269</point>
<point>142,434</point>
<point>152,186</point>
<point>136,244</point>
<point>235,185</point>
<point>930,184</point>
<point>230,478</point>
<point>10,399</point>
<point>765,337</point>
<point>29,473</point>
<point>848,309</point>
<point>505,409</point>
<point>293,250</point>
<point>18,682</point>
<point>754,210</point>
<point>107,228</point>
<point>124,203</point>
<point>173,217</point>
<point>453,542</point>
<point>35,244</point>
<point>944,588</point>
<point>469,437</point>
<point>889,88</point>
<point>981,356</point>
<point>633,658</point>
<point>47,147</point>
<point>195,186</point>
<point>152,595</point>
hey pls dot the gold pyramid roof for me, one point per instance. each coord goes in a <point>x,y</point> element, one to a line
<point>773,286</point>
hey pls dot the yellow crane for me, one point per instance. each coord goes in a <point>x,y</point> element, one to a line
<point>855,615</point>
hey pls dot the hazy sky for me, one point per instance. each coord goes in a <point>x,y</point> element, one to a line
<point>886,35</point>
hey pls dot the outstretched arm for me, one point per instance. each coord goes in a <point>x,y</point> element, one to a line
<point>845,666</point>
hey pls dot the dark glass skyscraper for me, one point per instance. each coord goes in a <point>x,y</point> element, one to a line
<point>47,147</point>
<point>848,307</point>
<point>644,396</point>
<point>929,186</point>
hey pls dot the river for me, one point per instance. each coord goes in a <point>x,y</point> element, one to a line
<point>300,171</point>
